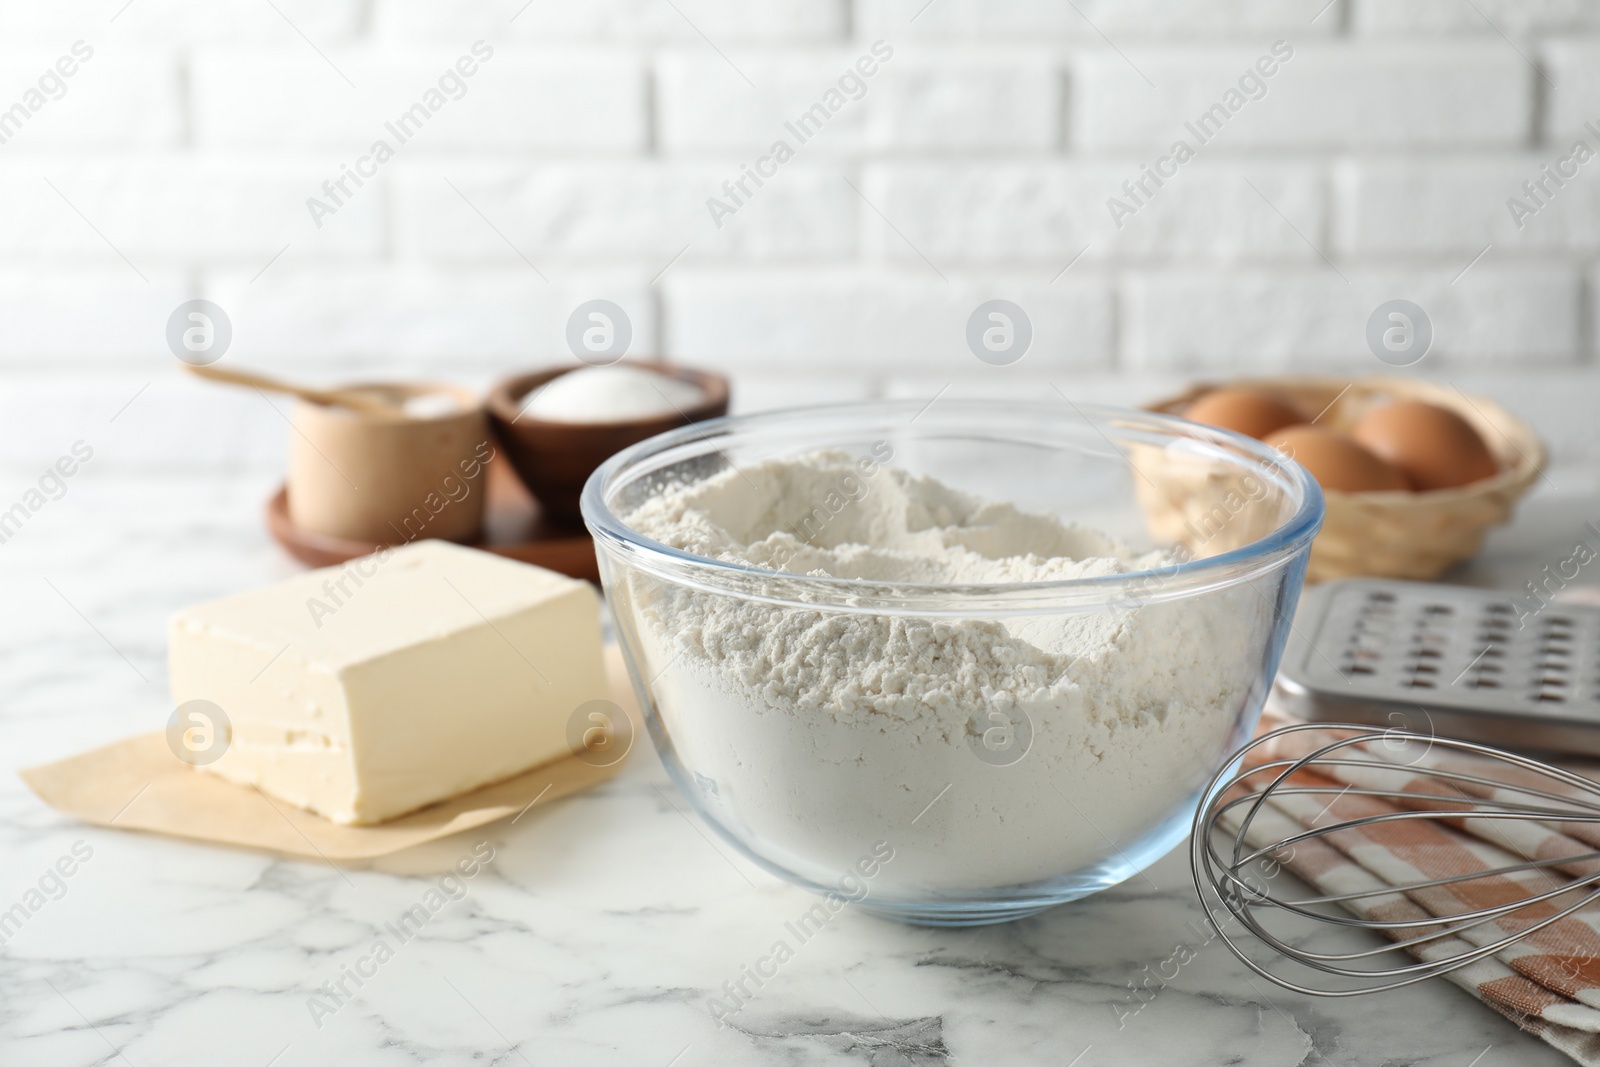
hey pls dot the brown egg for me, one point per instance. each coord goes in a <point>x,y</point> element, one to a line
<point>1435,447</point>
<point>1336,461</point>
<point>1252,412</point>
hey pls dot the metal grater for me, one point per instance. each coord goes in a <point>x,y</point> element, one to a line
<point>1475,664</point>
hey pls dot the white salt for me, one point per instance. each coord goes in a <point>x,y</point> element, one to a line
<point>430,405</point>
<point>611,394</point>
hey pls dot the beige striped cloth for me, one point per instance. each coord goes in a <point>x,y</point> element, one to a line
<point>1549,983</point>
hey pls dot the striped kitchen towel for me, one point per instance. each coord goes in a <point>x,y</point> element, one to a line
<point>1549,982</point>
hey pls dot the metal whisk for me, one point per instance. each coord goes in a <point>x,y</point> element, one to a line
<point>1255,821</point>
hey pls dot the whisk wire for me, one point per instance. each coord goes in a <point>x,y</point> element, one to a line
<point>1235,816</point>
<point>1452,776</point>
<point>1433,967</point>
<point>1425,815</point>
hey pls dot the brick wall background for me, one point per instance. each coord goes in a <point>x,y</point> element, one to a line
<point>976,164</point>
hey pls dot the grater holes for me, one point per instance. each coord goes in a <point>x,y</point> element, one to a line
<point>1360,662</point>
<point>1552,685</point>
<point>1370,637</point>
<point>1378,604</point>
<point>1430,639</point>
<point>1466,649</point>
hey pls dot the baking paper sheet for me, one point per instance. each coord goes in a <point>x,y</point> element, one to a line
<point>138,784</point>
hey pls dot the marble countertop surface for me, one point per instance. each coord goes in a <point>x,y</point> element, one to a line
<point>603,922</point>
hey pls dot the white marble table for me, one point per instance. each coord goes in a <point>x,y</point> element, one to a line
<point>603,922</point>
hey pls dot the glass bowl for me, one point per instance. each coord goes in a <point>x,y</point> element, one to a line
<point>960,754</point>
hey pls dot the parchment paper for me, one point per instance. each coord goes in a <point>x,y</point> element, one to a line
<point>138,784</point>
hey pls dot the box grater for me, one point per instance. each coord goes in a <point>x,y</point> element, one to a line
<point>1475,664</point>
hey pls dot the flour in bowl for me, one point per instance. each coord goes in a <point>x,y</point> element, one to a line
<point>815,732</point>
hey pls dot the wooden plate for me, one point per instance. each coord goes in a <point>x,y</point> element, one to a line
<point>512,524</point>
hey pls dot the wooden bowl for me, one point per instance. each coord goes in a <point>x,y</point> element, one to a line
<point>389,478</point>
<point>554,459</point>
<point>1390,535</point>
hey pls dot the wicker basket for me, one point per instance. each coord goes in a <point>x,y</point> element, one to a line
<point>1392,535</point>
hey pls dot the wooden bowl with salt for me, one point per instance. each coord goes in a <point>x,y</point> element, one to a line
<point>554,454</point>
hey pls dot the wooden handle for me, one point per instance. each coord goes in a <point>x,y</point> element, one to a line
<point>344,398</point>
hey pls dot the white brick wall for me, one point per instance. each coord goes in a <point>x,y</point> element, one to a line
<point>1048,212</point>
<point>846,322</point>
<point>444,319</point>
<point>1512,16</point>
<point>1378,95</point>
<point>964,101</point>
<point>975,162</point>
<point>119,99</point>
<point>1574,72</point>
<point>782,21</point>
<point>1282,319</point>
<point>181,23</point>
<point>641,212</point>
<point>1085,20</point>
<point>178,209</point>
<point>1393,208</point>
<point>573,100</point>
<point>59,317</point>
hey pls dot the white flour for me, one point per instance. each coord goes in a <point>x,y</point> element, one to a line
<point>820,731</point>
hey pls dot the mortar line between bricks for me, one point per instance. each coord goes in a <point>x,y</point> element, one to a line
<point>1513,45</point>
<point>659,299</point>
<point>186,101</point>
<point>1327,188</point>
<point>1587,354</point>
<point>1539,115</point>
<point>652,111</point>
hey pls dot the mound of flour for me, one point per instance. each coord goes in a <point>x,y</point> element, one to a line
<point>987,752</point>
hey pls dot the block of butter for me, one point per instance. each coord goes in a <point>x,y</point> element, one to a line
<point>369,690</point>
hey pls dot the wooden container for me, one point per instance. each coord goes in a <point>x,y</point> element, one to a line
<point>554,459</point>
<point>389,479</point>
<point>512,527</point>
<point>1392,535</point>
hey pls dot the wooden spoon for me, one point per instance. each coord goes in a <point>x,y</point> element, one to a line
<point>365,403</point>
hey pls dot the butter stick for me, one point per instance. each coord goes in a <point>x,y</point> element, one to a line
<point>366,691</point>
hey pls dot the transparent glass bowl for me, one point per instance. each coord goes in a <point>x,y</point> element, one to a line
<point>963,811</point>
